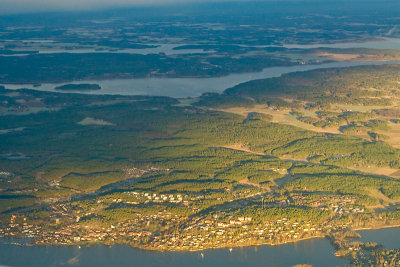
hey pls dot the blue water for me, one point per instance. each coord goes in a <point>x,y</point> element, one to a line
<point>190,87</point>
<point>388,237</point>
<point>317,252</point>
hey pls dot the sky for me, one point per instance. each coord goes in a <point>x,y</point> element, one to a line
<point>23,6</point>
<point>32,6</point>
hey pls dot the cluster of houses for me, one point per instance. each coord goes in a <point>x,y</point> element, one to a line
<point>341,210</point>
<point>200,233</point>
<point>16,228</point>
<point>239,221</point>
<point>130,231</point>
<point>4,174</point>
<point>60,210</point>
<point>160,198</point>
<point>212,233</point>
<point>133,172</point>
<point>338,204</point>
<point>175,232</point>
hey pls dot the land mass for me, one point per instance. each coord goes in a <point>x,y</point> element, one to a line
<point>79,87</point>
<point>312,154</point>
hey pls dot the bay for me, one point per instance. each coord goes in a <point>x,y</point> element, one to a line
<point>189,87</point>
<point>317,252</point>
<point>388,237</point>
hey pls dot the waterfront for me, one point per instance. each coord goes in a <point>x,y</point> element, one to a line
<point>317,252</point>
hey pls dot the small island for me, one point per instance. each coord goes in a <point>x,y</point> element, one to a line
<point>78,87</point>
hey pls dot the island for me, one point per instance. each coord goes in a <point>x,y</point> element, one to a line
<point>79,87</point>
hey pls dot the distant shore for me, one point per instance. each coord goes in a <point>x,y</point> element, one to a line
<point>78,87</point>
<point>377,227</point>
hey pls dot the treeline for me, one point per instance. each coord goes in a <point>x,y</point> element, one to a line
<point>357,184</point>
<point>322,88</point>
<point>63,67</point>
<point>342,151</point>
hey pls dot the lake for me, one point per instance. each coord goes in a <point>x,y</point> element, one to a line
<point>189,87</point>
<point>167,49</point>
<point>388,237</point>
<point>383,43</point>
<point>317,252</point>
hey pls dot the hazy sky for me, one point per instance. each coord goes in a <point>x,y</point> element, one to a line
<point>17,6</point>
<point>23,6</point>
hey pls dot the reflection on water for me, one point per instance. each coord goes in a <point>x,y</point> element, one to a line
<point>190,87</point>
<point>317,252</point>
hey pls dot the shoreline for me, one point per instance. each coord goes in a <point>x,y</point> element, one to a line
<point>359,63</point>
<point>233,246</point>
<point>222,246</point>
<point>224,81</point>
<point>377,227</point>
<point>15,239</point>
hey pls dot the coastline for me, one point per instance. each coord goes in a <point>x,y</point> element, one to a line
<point>377,227</point>
<point>317,251</point>
<point>15,239</point>
<point>202,248</point>
<point>232,245</point>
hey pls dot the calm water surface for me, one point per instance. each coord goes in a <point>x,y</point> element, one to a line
<point>190,87</point>
<point>167,49</point>
<point>387,237</point>
<point>384,43</point>
<point>317,252</point>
